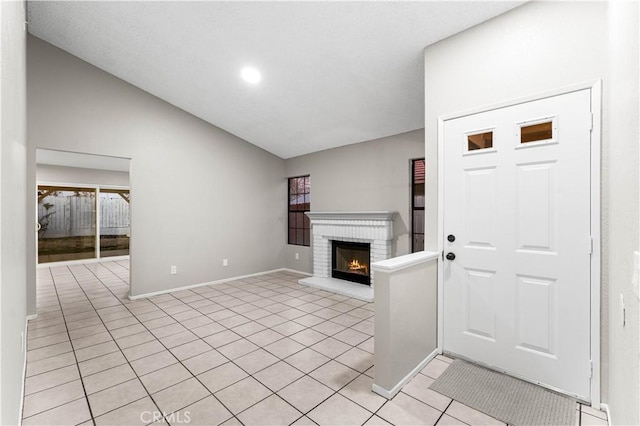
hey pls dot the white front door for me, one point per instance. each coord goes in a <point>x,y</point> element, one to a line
<point>517,219</point>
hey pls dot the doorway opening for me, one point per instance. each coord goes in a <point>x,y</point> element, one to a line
<point>82,206</point>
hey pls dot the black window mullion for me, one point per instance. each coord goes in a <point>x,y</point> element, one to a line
<point>417,178</point>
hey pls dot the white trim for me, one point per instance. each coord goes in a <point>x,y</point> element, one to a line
<point>97,206</point>
<point>596,141</point>
<point>295,271</point>
<point>81,261</point>
<point>222,281</point>
<point>397,388</point>
<point>534,97</point>
<point>80,185</point>
<point>595,86</point>
<point>440,234</point>
<point>32,317</point>
<point>373,215</point>
<point>24,365</point>
<point>605,407</point>
<point>399,263</point>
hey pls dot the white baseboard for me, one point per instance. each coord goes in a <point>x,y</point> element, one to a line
<point>296,272</point>
<point>188,287</point>
<point>24,365</point>
<point>398,387</point>
<point>605,407</point>
<point>32,317</point>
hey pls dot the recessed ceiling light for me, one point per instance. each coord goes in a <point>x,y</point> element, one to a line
<point>251,75</point>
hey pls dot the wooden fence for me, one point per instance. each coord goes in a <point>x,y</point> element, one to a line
<point>72,215</point>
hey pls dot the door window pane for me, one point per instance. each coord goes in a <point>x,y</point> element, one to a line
<point>114,222</point>
<point>67,225</point>
<point>536,132</point>
<point>480,141</point>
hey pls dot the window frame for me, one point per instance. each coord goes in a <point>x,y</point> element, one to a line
<point>299,208</point>
<point>413,204</point>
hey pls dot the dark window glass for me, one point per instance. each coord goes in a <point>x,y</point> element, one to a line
<point>536,132</point>
<point>417,204</point>
<point>480,141</point>
<point>299,202</point>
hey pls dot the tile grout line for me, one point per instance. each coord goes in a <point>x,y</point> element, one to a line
<point>178,361</point>
<point>443,411</point>
<point>319,366</point>
<point>245,337</point>
<point>305,374</point>
<point>119,348</point>
<point>252,376</point>
<point>84,390</point>
<point>230,294</point>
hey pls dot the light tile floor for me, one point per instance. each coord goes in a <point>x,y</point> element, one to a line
<point>262,350</point>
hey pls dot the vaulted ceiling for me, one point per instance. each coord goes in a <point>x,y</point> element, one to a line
<point>333,73</point>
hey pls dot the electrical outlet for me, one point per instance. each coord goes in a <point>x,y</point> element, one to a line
<point>623,313</point>
<point>174,270</point>
<point>297,256</point>
<point>225,262</point>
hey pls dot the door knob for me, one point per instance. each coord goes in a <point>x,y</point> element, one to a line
<point>451,238</point>
<point>451,256</point>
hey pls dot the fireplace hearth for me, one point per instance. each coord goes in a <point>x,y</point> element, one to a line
<point>350,261</point>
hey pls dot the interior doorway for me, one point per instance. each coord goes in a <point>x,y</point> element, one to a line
<point>83,204</point>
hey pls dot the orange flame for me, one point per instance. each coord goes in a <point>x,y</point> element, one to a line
<point>355,265</point>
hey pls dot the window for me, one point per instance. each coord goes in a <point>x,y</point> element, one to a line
<point>536,132</point>
<point>480,141</point>
<point>417,205</point>
<point>299,202</point>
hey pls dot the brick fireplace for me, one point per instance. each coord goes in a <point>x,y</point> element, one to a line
<point>373,228</point>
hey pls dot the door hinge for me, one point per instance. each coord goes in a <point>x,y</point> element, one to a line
<point>590,368</point>
<point>590,245</point>
<point>590,121</point>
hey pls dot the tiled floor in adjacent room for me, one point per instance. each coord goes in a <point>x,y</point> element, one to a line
<point>262,350</point>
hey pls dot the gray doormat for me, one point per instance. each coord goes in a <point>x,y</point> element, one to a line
<point>506,398</point>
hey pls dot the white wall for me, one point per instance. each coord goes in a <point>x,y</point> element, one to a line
<point>78,175</point>
<point>373,175</point>
<point>199,194</point>
<point>12,207</point>
<point>620,201</point>
<point>405,322</point>
<point>544,46</point>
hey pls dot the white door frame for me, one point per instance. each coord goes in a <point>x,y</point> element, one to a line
<point>596,108</point>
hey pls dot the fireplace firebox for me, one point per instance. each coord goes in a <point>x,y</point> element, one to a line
<point>350,261</point>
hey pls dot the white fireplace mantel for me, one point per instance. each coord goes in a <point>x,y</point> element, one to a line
<point>373,227</point>
<point>352,215</point>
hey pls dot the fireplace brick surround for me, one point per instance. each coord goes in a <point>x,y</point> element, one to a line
<point>375,228</point>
